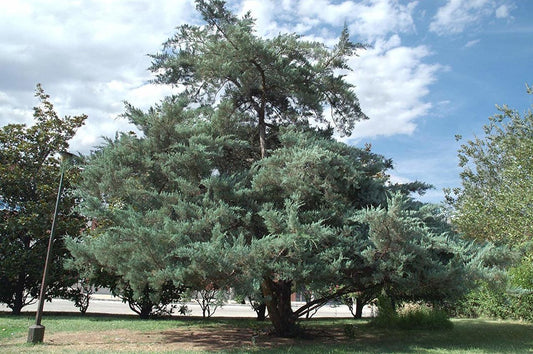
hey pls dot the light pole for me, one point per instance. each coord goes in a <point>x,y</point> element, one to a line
<point>36,332</point>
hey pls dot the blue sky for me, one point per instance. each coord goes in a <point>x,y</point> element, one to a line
<point>433,69</point>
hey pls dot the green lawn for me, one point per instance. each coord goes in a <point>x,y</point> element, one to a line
<point>467,336</point>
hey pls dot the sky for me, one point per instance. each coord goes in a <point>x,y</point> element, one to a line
<point>432,69</point>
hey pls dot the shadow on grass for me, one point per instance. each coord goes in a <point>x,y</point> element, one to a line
<point>476,336</point>
<point>322,335</point>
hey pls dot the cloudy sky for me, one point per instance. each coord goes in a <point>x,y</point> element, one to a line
<point>433,69</point>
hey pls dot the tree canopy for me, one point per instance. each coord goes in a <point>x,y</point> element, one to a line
<point>29,171</point>
<point>495,201</point>
<point>184,205</point>
<point>272,81</point>
<point>195,202</point>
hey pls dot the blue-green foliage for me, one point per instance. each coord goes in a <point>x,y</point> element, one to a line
<point>157,199</point>
<point>183,205</point>
<point>409,252</point>
<point>195,202</point>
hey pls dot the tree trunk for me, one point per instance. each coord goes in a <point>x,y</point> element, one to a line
<point>143,309</point>
<point>145,312</point>
<point>17,306</point>
<point>359,304</point>
<point>277,296</point>
<point>262,131</point>
<point>18,301</point>
<point>261,312</point>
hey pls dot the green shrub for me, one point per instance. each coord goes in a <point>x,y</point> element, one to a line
<point>497,300</point>
<point>386,313</point>
<point>423,318</point>
<point>410,317</point>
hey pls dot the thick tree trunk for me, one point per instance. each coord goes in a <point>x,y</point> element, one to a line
<point>145,311</point>
<point>17,306</point>
<point>277,294</point>
<point>359,308</point>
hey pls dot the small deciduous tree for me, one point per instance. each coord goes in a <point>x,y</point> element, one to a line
<point>29,171</point>
<point>495,201</point>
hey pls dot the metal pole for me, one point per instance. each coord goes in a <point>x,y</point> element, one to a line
<point>36,332</point>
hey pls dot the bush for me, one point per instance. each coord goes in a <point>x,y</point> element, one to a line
<point>386,313</point>
<point>497,300</point>
<point>423,318</point>
<point>410,317</point>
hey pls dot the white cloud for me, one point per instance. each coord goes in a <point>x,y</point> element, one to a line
<point>391,82</point>
<point>503,11</point>
<point>263,12</point>
<point>457,15</point>
<point>369,19</point>
<point>395,179</point>
<point>472,43</point>
<point>89,55</point>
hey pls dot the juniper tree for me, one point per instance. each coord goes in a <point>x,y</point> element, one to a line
<point>273,81</point>
<point>185,204</point>
<point>197,201</point>
<point>156,199</point>
<point>283,80</point>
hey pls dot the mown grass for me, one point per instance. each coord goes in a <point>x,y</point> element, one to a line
<point>466,336</point>
<point>15,326</point>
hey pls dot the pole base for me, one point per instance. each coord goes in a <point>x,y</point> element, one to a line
<point>36,334</point>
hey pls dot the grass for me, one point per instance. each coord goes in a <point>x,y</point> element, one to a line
<point>16,326</point>
<point>466,336</point>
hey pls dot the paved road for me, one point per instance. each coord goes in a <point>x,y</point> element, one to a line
<point>107,304</point>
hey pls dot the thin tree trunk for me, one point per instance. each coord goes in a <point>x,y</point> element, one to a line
<point>18,301</point>
<point>262,131</point>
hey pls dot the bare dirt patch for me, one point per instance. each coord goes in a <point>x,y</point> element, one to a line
<point>186,339</point>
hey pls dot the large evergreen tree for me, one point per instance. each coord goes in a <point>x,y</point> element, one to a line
<point>156,199</point>
<point>266,82</point>
<point>273,81</point>
<point>184,204</point>
<point>197,202</point>
<point>29,172</point>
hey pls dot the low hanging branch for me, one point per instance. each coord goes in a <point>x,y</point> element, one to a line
<point>317,303</point>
